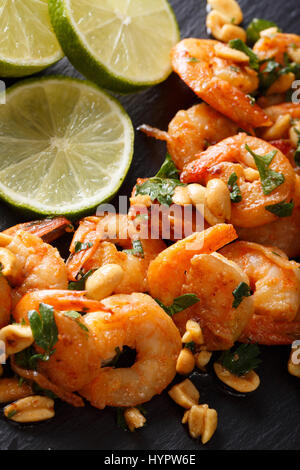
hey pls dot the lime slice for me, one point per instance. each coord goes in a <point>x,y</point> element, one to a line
<point>65,146</point>
<point>27,41</point>
<point>122,45</point>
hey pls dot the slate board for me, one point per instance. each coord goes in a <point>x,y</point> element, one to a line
<point>267,419</point>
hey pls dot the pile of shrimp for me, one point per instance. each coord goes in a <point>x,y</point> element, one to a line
<point>237,163</point>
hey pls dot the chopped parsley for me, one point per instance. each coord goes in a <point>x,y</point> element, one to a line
<point>191,345</point>
<point>80,283</point>
<point>179,304</point>
<point>297,151</point>
<point>79,246</point>
<point>241,46</point>
<point>44,329</point>
<point>241,360</point>
<point>282,209</point>
<point>11,413</point>
<point>76,316</point>
<point>235,192</point>
<point>242,290</point>
<point>255,27</point>
<point>192,59</point>
<point>168,169</point>
<point>270,179</point>
<point>137,249</point>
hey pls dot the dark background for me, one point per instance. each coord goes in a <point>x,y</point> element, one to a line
<point>267,419</point>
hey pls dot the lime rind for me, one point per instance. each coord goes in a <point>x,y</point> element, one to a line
<point>71,209</point>
<point>84,60</point>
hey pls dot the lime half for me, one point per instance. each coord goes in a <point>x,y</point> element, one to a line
<point>27,41</point>
<point>65,146</point>
<point>122,45</point>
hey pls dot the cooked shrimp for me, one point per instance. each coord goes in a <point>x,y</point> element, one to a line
<point>191,131</point>
<point>222,83</point>
<point>282,233</point>
<point>49,229</point>
<point>275,46</point>
<point>275,282</point>
<point>139,323</point>
<point>5,301</point>
<point>134,320</point>
<point>37,265</point>
<point>231,156</point>
<point>119,232</point>
<point>197,270</point>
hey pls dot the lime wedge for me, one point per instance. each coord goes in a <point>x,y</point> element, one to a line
<point>27,41</point>
<point>122,45</point>
<point>65,146</point>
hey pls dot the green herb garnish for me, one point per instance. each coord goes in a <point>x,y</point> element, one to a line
<point>80,283</point>
<point>11,414</point>
<point>168,169</point>
<point>76,316</point>
<point>179,304</point>
<point>79,246</point>
<point>241,46</point>
<point>192,59</point>
<point>242,290</point>
<point>270,179</point>
<point>191,345</point>
<point>44,329</point>
<point>114,360</point>
<point>241,360</point>
<point>282,209</point>
<point>137,249</point>
<point>235,192</point>
<point>255,27</point>
<point>297,151</point>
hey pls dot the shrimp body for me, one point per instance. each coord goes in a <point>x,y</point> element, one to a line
<point>105,252</point>
<point>39,265</point>
<point>221,83</point>
<point>275,46</point>
<point>231,156</point>
<point>198,270</point>
<point>276,284</point>
<point>137,322</point>
<point>5,302</point>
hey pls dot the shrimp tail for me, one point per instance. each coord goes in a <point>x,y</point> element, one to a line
<point>48,229</point>
<point>263,330</point>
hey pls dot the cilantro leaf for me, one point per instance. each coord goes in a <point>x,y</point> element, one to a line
<point>255,27</point>
<point>241,360</point>
<point>44,329</point>
<point>241,46</point>
<point>137,249</point>
<point>191,345</point>
<point>297,151</point>
<point>235,192</point>
<point>192,59</point>
<point>270,179</point>
<point>282,209</point>
<point>79,246</point>
<point>80,283</point>
<point>168,169</point>
<point>242,290</point>
<point>160,189</point>
<point>27,359</point>
<point>179,304</point>
<point>269,74</point>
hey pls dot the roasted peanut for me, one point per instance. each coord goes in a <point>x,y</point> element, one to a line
<point>282,84</point>
<point>195,331</point>
<point>294,361</point>
<point>181,196</point>
<point>185,394</point>
<point>230,9</point>
<point>141,200</point>
<point>134,418</point>
<point>244,384</point>
<point>231,31</point>
<point>226,52</point>
<point>202,421</point>
<point>30,409</point>
<point>294,135</point>
<point>269,32</point>
<point>294,54</point>
<point>251,174</point>
<point>279,129</point>
<point>218,199</point>
<point>185,362</point>
<point>202,359</point>
<point>11,390</point>
<point>214,24</point>
<point>104,281</point>
<point>10,265</point>
<point>16,338</point>
<point>196,193</point>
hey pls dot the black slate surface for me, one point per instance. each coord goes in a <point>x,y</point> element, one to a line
<point>266,419</point>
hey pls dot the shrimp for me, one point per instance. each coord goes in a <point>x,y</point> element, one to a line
<point>275,46</point>
<point>275,282</point>
<point>5,301</point>
<point>231,156</point>
<point>198,270</point>
<point>78,362</point>
<point>191,131</point>
<point>222,83</point>
<point>99,252</point>
<point>36,265</point>
<point>139,323</point>
<point>282,233</point>
<point>49,229</point>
